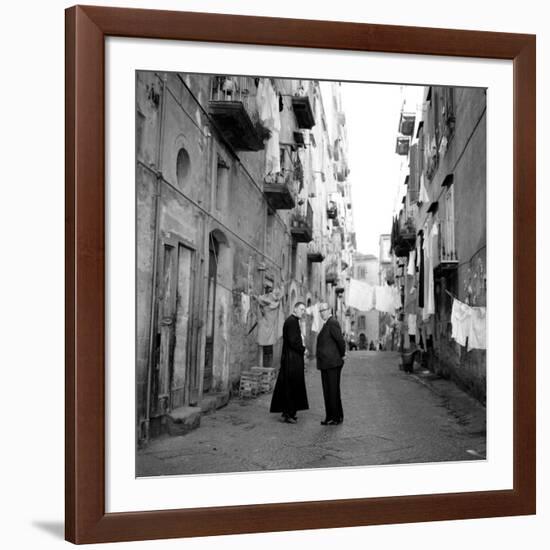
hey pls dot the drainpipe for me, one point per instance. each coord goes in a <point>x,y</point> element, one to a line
<point>203,286</point>
<point>155,258</point>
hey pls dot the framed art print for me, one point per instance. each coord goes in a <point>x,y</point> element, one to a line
<point>300,277</point>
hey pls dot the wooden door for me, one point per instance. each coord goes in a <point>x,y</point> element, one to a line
<point>165,328</point>
<point>180,366</point>
<point>173,336</point>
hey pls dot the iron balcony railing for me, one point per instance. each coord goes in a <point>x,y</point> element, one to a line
<point>316,250</point>
<point>302,223</point>
<point>232,105</point>
<point>236,88</point>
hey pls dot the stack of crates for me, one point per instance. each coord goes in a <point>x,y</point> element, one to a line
<point>250,384</point>
<point>267,378</point>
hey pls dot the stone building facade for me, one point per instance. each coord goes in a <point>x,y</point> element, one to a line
<point>234,182</point>
<point>366,324</point>
<point>444,208</point>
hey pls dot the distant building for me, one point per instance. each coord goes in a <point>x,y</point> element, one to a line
<point>366,323</point>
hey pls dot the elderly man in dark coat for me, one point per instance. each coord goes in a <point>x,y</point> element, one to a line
<point>331,350</point>
<point>289,395</point>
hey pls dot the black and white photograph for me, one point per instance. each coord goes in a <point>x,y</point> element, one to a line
<point>310,273</point>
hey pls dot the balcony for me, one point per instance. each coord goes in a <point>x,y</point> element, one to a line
<point>299,139</point>
<point>280,191</point>
<point>332,210</point>
<point>407,230</point>
<point>403,236</point>
<point>331,273</point>
<point>315,251</point>
<point>402,145</point>
<point>301,225</point>
<point>406,123</point>
<point>232,106</point>
<point>303,111</point>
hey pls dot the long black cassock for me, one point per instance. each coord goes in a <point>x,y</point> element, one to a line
<point>290,393</point>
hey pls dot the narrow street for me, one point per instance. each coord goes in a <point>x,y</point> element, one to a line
<point>390,417</point>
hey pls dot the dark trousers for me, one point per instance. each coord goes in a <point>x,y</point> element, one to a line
<point>331,392</point>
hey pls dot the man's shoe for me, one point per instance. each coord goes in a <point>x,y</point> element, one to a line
<point>289,419</point>
<point>332,423</point>
<point>326,422</point>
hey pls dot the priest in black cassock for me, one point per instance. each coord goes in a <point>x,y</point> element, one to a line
<point>289,395</point>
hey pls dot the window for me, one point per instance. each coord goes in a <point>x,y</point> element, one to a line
<point>267,356</point>
<point>293,260</point>
<point>183,166</point>
<point>361,322</point>
<point>222,182</point>
<point>269,229</point>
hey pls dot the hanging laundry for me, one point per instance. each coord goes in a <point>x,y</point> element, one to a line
<point>361,295</point>
<point>412,324</point>
<point>423,196</point>
<point>385,299</point>
<point>469,327</point>
<point>267,103</point>
<point>269,318</point>
<point>420,260</point>
<point>245,306</point>
<point>396,297</point>
<point>410,303</point>
<point>411,269</point>
<point>272,154</point>
<point>460,321</point>
<point>429,251</point>
<point>316,322</point>
<point>477,338</point>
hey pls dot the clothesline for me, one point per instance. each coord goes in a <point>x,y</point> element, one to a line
<point>365,297</point>
<point>461,301</point>
<point>455,298</point>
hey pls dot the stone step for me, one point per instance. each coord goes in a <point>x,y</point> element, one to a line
<point>213,401</point>
<point>182,420</point>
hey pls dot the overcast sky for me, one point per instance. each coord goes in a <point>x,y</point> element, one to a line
<point>372,116</point>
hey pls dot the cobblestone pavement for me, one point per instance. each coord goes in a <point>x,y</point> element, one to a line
<point>390,417</point>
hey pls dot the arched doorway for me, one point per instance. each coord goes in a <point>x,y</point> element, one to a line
<point>219,268</point>
<point>292,300</point>
<point>213,255</point>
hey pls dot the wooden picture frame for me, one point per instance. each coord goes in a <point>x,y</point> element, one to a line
<point>86,30</point>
